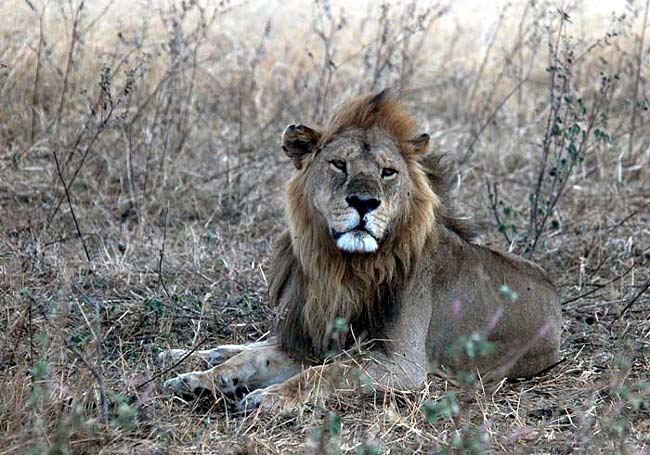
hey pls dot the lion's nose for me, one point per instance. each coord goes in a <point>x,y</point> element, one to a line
<point>363,204</point>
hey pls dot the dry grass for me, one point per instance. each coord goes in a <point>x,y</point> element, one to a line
<point>141,187</point>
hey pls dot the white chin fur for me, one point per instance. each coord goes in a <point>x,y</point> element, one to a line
<point>357,242</point>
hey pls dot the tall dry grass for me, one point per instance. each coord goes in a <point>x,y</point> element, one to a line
<point>141,187</point>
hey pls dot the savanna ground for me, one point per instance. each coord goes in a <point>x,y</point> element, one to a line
<point>141,187</point>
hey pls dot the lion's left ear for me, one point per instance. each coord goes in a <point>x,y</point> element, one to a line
<point>420,144</point>
<point>298,142</point>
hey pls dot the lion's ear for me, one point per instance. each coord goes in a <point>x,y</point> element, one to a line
<point>420,144</point>
<point>298,141</point>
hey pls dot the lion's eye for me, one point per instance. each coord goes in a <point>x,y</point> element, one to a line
<point>338,165</point>
<point>387,173</point>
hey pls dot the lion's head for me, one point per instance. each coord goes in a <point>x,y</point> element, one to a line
<point>362,205</point>
<point>360,179</point>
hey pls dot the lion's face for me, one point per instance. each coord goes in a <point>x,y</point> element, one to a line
<point>357,182</point>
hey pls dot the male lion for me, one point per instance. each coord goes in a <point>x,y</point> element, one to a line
<point>371,243</point>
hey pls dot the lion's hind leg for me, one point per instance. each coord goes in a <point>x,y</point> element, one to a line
<point>313,384</point>
<point>372,374</point>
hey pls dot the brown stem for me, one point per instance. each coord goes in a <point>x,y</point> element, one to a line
<point>69,61</point>
<point>547,141</point>
<point>630,143</point>
<point>37,76</point>
<point>161,280</point>
<point>598,287</point>
<point>644,288</point>
<point>67,196</point>
<point>493,196</point>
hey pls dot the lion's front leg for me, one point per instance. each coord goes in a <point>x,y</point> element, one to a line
<point>216,356</point>
<point>375,373</point>
<point>248,370</point>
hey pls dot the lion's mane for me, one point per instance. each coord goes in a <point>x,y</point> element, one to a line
<point>314,283</point>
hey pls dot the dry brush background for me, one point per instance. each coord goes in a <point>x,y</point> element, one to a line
<point>141,187</point>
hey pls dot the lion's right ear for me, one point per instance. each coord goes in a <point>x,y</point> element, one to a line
<point>298,142</point>
<point>420,144</point>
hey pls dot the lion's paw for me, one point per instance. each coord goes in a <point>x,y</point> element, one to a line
<point>188,384</point>
<point>260,399</point>
<point>216,382</point>
<point>267,400</point>
<point>228,382</point>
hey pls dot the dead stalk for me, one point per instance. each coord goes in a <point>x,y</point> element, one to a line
<point>74,38</point>
<point>37,75</point>
<point>161,280</point>
<point>637,79</point>
<point>69,199</point>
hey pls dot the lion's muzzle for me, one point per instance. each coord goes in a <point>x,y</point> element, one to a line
<point>363,204</point>
<point>359,236</point>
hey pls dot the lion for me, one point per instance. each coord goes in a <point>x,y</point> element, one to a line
<point>375,266</point>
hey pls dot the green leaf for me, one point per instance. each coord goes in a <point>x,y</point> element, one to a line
<point>78,338</point>
<point>367,449</point>
<point>573,150</point>
<point>445,408</point>
<point>335,424</point>
<point>340,325</point>
<point>154,304</point>
<point>40,370</point>
<point>508,293</point>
